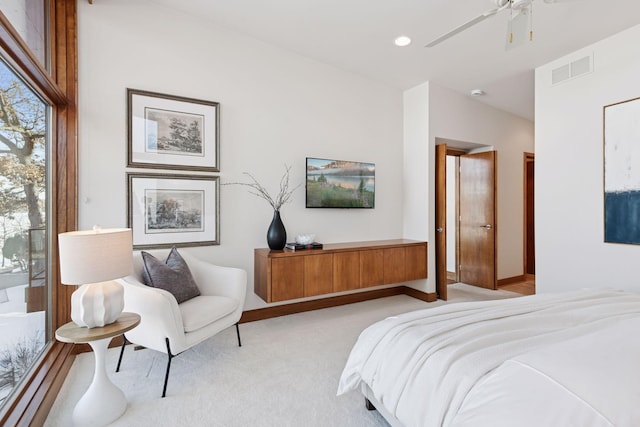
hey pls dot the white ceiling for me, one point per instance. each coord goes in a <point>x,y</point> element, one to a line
<point>357,36</point>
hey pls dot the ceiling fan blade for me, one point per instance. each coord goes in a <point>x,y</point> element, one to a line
<point>464,26</point>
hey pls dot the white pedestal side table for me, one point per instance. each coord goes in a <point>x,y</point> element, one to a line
<point>103,402</point>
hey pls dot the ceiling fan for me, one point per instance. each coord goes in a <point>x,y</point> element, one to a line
<point>520,16</point>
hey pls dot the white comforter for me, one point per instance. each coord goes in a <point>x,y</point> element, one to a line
<point>548,360</point>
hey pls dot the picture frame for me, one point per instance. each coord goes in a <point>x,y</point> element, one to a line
<point>621,158</point>
<point>332,183</point>
<point>173,210</point>
<point>172,132</point>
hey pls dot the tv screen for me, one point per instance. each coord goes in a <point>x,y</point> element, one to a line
<point>340,184</point>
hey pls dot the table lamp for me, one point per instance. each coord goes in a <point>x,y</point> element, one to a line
<point>93,258</point>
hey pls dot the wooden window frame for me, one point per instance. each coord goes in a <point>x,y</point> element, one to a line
<point>32,400</point>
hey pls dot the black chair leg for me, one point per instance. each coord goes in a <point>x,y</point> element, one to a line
<point>166,375</point>
<point>238,333</point>
<point>124,343</point>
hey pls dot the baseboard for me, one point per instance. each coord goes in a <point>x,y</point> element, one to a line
<point>317,304</point>
<point>510,280</point>
<point>424,296</point>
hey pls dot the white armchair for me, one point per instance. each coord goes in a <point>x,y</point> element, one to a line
<point>171,328</point>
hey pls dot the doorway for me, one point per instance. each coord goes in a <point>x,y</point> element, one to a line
<point>465,217</point>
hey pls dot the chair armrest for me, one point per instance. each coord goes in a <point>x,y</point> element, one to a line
<point>159,313</point>
<point>217,280</point>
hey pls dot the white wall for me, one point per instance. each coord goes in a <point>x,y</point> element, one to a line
<point>570,248</point>
<point>276,108</point>
<point>454,116</point>
<point>416,166</point>
<point>458,117</point>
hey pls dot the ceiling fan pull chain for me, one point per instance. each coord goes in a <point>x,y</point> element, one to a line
<point>510,21</point>
<point>531,22</point>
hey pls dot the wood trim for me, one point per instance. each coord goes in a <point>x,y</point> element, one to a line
<point>527,158</point>
<point>31,403</point>
<point>456,152</point>
<point>441,219</point>
<point>424,296</point>
<point>317,304</point>
<point>341,247</point>
<point>19,55</point>
<point>510,280</point>
<point>65,70</point>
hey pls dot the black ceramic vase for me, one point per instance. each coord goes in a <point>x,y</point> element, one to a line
<point>276,235</point>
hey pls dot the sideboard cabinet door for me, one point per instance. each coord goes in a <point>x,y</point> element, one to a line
<point>346,271</point>
<point>287,278</point>
<point>371,268</point>
<point>318,274</point>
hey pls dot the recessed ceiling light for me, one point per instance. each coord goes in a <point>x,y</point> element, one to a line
<point>477,92</point>
<point>402,41</point>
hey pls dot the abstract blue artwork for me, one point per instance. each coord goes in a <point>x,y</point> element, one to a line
<point>622,172</point>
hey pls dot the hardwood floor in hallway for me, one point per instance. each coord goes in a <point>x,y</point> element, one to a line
<point>526,287</point>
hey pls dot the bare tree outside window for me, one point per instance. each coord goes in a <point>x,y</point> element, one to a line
<point>23,228</point>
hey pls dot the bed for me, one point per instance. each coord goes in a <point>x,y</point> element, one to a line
<point>570,359</point>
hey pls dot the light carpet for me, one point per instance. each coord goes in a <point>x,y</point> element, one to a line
<point>285,374</point>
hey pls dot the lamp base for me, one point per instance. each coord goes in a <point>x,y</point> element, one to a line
<point>97,304</point>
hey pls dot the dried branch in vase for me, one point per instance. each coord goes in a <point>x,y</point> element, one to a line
<point>257,189</point>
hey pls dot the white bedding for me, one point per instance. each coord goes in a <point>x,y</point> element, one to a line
<point>546,360</point>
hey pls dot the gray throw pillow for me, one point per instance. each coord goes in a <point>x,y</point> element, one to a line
<point>173,275</point>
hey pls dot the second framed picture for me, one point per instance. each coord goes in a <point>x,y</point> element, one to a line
<point>168,210</point>
<point>172,132</point>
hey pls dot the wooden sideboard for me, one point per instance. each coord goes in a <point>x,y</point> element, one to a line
<point>285,275</point>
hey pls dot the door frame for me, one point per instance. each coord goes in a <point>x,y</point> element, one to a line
<point>527,158</point>
<point>441,215</point>
<point>440,220</point>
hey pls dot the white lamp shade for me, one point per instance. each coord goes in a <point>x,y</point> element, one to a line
<point>92,259</point>
<point>95,256</point>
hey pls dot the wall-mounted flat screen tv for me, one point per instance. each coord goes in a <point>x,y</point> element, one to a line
<point>340,184</point>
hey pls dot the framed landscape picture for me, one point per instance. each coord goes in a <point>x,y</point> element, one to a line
<point>168,210</point>
<point>172,132</point>
<point>622,172</point>
<point>334,183</point>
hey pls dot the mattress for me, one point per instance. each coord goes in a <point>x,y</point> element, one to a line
<point>562,359</point>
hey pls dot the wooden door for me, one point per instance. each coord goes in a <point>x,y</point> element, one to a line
<point>441,221</point>
<point>478,219</point>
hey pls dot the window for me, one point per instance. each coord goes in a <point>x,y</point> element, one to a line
<point>28,19</point>
<point>38,86</point>
<point>24,223</point>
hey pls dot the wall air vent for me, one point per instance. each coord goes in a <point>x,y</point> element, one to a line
<point>572,70</point>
